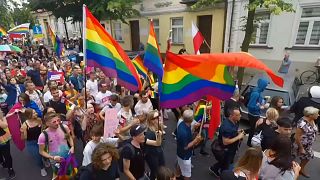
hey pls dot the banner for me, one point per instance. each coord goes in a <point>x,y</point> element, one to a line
<point>37,32</point>
<point>110,122</point>
<point>14,127</point>
<point>56,76</point>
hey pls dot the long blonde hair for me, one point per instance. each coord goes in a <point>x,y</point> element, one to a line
<point>251,161</point>
<point>150,116</point>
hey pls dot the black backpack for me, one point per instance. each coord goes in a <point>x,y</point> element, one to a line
<point>246,98</point>
<point>83,169</point>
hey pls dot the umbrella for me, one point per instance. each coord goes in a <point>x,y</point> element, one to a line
<point>9,48</point>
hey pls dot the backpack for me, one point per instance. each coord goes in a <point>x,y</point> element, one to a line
<point>83,169</point>
<point>126,143</point>
<point>46,136</point>
<point>246,98</point>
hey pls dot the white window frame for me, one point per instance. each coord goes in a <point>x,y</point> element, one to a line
<point>311,21</point>
<point>117,30</point>
<point>177,26</point>
<point>157,28</point>
<point>258,31</point>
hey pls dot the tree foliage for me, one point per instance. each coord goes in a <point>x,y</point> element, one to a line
<point>22,15</point>
<point>102,9</point>
<point>5,15</point>
<point>273,6</point>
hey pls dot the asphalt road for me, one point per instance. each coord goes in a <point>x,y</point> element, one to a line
<point>26,169</point>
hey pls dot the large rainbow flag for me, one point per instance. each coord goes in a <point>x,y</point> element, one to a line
<point>152,57</point>
<point>103,51</point>
<point>57,45</point>
<point>2,32</point>
<point>179,87</point>
<point>21,29</point>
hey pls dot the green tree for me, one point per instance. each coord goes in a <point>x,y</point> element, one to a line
<point>101,9</point>
<point>273,6</point>
<point>22,15</point>
<point>5,16</point>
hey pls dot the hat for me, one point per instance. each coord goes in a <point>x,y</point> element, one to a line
<point>137,129</point>
<point>315,91</point>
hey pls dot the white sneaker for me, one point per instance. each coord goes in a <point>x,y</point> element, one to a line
<point>43,172</point>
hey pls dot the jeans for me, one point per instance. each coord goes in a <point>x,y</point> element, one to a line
<point>225,163</point>
<point>33,149</point>
<point>252,121</point>
<point>5,155</point>
<point>154,161</point>
<point>204,134</point>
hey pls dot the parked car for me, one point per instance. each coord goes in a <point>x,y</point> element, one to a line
<point>290,92</point>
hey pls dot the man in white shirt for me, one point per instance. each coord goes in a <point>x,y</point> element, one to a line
<point>113,103</point>
<point>102,98</point>
<point>144,105</point>
<point>92,84</point>
<point>47,96</point>
<point>34,94</point>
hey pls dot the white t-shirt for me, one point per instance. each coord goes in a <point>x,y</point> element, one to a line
<point>47,96</point>
<point>92,87</point>
<point>103,98</point>
<point>143,108</point>
<point>87,152</point>
<point>117,106</point>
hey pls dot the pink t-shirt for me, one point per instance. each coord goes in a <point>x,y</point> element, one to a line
<point>58,145</point>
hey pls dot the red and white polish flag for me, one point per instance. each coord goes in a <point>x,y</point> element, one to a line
<point>197,38</point>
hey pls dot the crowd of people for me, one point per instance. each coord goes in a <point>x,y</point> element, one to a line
<point>55,112</point>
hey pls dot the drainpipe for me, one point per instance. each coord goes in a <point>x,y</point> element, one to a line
<point>231,24</point>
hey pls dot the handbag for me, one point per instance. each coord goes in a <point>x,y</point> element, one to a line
<point>68,168</point>
<point>217,149</point>
<point>256,139</point>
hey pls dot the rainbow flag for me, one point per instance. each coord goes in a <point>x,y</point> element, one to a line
<point>103,51</point>
<point>142,70</point>
<point>2,32</point>
<point>152,57</point>
<point>57,44</point>
<point>179,87</point>
<point>198,114</point>
<point>21,29</point>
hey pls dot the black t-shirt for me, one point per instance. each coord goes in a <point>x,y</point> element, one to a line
<point>299,106</point>
<point>151,150</point>
<point>58,106</point>
<point>99,174</point>
<point>269,134</point>
<point>136,160</point>
<point>229,104</point>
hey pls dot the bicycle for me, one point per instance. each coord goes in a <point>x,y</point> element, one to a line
<point>310,77</point>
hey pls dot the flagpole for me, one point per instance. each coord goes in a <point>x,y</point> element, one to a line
<point>205,41</point>
<point>84,52</point>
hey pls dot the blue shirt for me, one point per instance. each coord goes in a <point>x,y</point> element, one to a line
<point>229,130</point>
<point>184,137</point>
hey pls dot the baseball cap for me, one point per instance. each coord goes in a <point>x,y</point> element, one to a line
<point>137,129</point>
<point>315,91</point>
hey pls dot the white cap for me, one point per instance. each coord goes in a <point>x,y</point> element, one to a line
<point>315,91</point>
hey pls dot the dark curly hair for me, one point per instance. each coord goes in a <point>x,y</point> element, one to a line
<point>102,149</point>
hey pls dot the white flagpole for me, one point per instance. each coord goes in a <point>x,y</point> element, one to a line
<point>84,52</point>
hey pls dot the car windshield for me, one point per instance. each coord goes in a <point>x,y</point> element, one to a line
<point>273,92</point>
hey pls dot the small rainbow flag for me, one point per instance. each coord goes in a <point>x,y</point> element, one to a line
<point>142,70</point>
<point>21,29</point>
<point>198,115</point>
<point>57,45</point>
<point>152,57</point>
<point>2,32</point>
<point>179,87</point>
<point>102,51</point>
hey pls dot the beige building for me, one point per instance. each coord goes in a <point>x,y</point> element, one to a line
<point>170,15</point>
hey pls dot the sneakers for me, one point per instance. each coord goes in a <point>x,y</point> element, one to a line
<point>43,172</point>
<point>11,173</point>
<point>204,153</point>
<point>214,172</point>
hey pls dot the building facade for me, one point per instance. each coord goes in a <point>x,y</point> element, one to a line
<point>296,33</point>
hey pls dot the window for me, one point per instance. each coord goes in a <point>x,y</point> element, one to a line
<point>261,28</point>
<point>117,31</point>
<point>177,30</point>
<point>156,28</point>
<point>309,27</point>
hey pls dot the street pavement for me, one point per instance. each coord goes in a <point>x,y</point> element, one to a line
<point>26,169</point>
